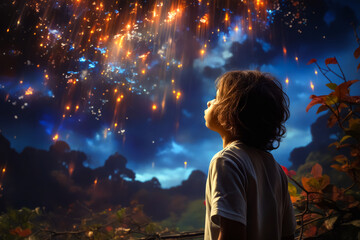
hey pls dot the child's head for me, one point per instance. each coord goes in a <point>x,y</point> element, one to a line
<point>250,106</point>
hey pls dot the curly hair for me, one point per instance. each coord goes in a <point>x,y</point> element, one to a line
<point>252,107</point>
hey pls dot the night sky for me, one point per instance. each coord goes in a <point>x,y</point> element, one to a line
<point>135,77</point>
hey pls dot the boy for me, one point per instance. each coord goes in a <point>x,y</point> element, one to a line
<point>247,191</point>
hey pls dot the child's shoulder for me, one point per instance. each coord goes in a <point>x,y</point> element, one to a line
<point>235,152</point>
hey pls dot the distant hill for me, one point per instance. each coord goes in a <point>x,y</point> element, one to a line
<point>59,178</point>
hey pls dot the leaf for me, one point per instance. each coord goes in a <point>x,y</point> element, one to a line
<point>287,172</point>
<point>311,231</point>
<point>356,223</point>
<point>332,86</point>
<point>152,228</point>
<point>329,223</point>
<point>306,185</point>
<point>337,167</point>
<point>332,120</point>
<point>312,61</point>
<point>351,99</point>
<point>316,170</point>
<point>344,138</point>
<point>322,108</point>
<point>292,189</point>
<point>343,89</point>
<point>331,61</point>
<point>315,100</point>
<point>357,53</point>
<point>358,67</point>
<point>336,144</point>
<point>324,181</point>
<point>340,159</point>
<point>331,99</point>
<point>354,128</point>
<point>121,214</point>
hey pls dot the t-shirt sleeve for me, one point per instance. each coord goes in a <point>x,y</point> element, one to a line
<point>228,191</point>
<point>289,221</point>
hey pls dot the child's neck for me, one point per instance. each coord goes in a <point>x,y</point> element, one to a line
<point>227,139</point>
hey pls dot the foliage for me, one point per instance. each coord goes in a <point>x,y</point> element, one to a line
<point>17,224</point>
<point>325,210</point>
<point>193,218</point>
<point>119,223</point>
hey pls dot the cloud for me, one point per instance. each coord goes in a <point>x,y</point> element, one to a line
<point>168,177</point>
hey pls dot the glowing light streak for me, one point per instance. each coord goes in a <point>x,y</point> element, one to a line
<point>204,19</point>
<point>154,107</point>
<point>56,137</point>
<point>312,85</point>
<point>29,91</point>
<point>185,164</point>
<point>284,51</point>
<point>71,168</point>
<point>287,81</point>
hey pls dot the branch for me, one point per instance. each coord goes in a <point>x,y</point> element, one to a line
<point>175,236</point>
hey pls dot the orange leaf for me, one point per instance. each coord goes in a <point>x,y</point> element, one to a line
<point>304,181</point>
<point>315,100</point>
<point>343,89</point>
<point>358,67</point>
<point>322,108</point>
<point>332,120</point>
<point>341,159</point>
<point>357,53</point>
<point>323,182</point>
<point>316,170</point>
<point>310,231</point>
<point>311,61</point>
<point>331,61</point>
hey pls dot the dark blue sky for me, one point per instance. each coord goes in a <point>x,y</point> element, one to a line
<point>158,142</point>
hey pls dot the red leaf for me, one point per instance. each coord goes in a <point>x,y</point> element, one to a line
<point>312,61</point>
<point>330,61</point>
<point>358,67</point>
<point>315,100</point>
<point>351,99</point>
<point>20,232</point>
<point>322,108</point>
<point>311,231</point>
<point>332,120</point>
<point>316,170</point>
<point>109,228</point>
<point>25,232</point>
<point>357,53</point>
<point>343,89</point>
<point>287,172</point>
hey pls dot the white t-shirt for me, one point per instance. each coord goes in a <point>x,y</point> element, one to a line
<point>247,185</point>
